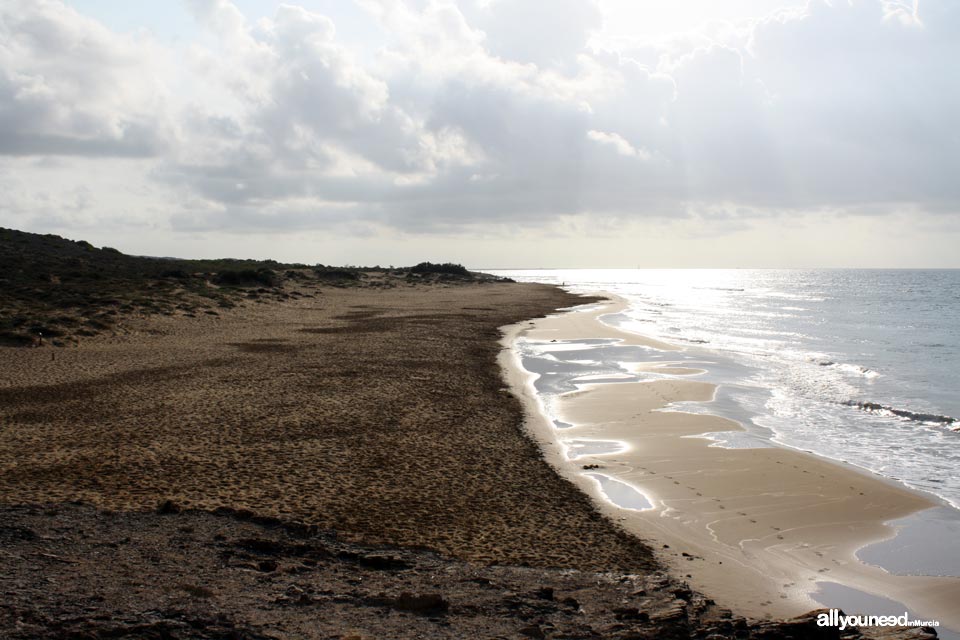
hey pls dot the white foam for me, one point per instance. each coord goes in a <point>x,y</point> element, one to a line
<point>620,493</point>
<point>577,449</point>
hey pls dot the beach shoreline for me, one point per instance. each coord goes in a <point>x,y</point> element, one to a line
<point>337,464</point>
<point>758,529</point>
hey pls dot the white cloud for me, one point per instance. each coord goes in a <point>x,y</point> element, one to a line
<point>614,140</point>
<point>70,86</point>
<point>475,113</point>
<point>550,36</point>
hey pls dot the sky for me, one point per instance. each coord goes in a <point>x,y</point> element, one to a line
<point>494,133</point>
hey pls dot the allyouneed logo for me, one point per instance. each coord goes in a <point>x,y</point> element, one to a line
<point>834,618</point>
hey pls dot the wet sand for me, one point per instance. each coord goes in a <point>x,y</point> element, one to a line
<point>757,529</point>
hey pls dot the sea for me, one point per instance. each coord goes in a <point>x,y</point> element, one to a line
<point>861,366</point>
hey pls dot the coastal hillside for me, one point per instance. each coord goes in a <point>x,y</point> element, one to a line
<point>57,291</point>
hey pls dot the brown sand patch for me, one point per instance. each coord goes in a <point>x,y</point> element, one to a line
<point>265,346</point>
<point>391,429</point>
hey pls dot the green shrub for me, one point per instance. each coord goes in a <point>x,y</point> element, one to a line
<point>446,267</point>
<point>246,278</point>
<point>332,273</point>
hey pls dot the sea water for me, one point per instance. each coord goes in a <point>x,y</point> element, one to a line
<point>861,366</point>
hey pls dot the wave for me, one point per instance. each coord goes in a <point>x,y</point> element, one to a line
<point>848,368</point>
<point>925,418</point>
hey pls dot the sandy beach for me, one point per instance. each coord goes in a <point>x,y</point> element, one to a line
<point>758,528</point>
<point>376,412</point>
<point>341,463</point>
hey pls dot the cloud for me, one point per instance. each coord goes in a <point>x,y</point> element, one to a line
<point>70,86</point>
<point>617,142</point>
<point>476,113</point>
<point>528,31</point>
<point>862,102</point>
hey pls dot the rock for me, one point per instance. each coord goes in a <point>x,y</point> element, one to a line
<point>684,593</point>
<point>197,591</point>
<point>261,546</point>
<point>533,631</point>
<point>426,603</point>
<point>671,615</point>
<point>382,562</point>
<point>546,593</point>
<point>168,507</point>
<point>802,627</point>
<point>630,613</point>
<point>267,566</point>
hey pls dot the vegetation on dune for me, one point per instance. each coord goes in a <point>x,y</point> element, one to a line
<point>66,289</point>
<point>246,277</point>
<point>333,274</point>
<point>448,268</point>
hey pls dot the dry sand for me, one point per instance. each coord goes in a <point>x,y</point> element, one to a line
<point>380,413</point>
<point>754,528</point>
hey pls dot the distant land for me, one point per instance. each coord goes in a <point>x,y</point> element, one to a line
<point>63,290</point>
